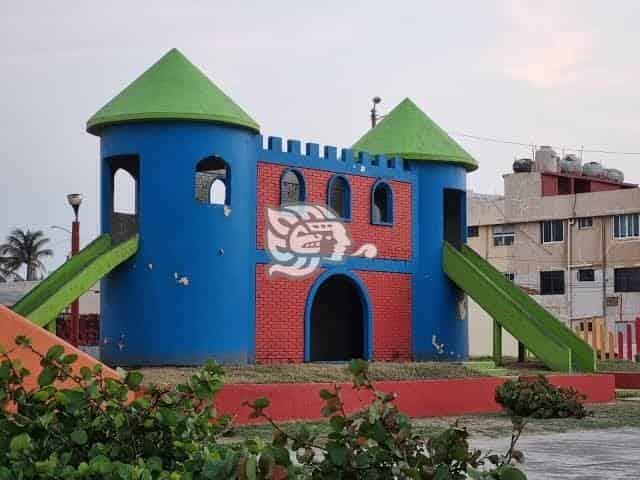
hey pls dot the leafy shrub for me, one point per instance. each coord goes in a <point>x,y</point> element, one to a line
<point>537,398</point>
<point>96,429</point>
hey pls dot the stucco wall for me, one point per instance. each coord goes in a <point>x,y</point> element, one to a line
<point>591,248</point>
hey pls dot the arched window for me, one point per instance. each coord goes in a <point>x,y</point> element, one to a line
<point>213,178</point>
<point>339,197</point>
<point>292,187</point>
<point>124,192</point>
<point>381,204</point>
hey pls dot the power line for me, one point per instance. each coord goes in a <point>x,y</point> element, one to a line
<point>530,145</point>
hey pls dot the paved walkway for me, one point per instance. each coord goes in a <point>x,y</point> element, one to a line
<point>584,455</point>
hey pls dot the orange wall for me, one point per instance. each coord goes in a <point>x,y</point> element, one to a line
<point>13,325</point>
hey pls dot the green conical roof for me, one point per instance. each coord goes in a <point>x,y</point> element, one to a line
<point>409,133</point>
<point>171,89</point>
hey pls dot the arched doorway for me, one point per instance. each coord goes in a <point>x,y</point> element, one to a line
<point>337,321</point>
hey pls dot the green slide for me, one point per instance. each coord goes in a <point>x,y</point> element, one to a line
<point>73,278</point>
<point>524,318</point>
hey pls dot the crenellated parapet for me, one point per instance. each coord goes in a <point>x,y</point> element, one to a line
<point>330,158</point>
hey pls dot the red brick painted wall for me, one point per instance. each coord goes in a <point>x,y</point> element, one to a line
<point>392,242</point>
<point>89,328</point>
<point>280,311</point>
<point>280,308</point>
<point>390,295</point>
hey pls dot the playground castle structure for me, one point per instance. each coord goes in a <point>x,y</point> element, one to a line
<point>184,275</point>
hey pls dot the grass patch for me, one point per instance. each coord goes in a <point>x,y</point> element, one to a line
<point>611,415</point>
<point>336,372</point>
<point>618,366</point>
<point>316,372</point>
<point>622,393</point>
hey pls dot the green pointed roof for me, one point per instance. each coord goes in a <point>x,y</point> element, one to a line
<point>171,89</point>
<point>409,133</point>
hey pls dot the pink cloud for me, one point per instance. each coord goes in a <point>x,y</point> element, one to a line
<point>547,45</point>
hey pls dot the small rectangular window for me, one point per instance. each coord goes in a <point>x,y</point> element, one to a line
<point>552,282</point>
<point>473,231</point>
<point>586,275</point>
<point>627,279</point>
<point>552,231</point>
<point>511,276</point>
<point>503,235</point>
<point>585,222</point>
<point>626,226</point>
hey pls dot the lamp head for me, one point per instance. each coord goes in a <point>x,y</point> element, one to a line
<point>75,199</point>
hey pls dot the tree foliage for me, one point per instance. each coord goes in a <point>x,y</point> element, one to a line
<point>105,428</point>
<point>26,248</point>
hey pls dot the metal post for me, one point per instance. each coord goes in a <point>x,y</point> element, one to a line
<point>522,352</point>
<point>497,343</point>
<point>74,334</point>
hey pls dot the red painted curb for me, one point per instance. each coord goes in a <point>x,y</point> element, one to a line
<point>422,398</point>
<point>626,379</point>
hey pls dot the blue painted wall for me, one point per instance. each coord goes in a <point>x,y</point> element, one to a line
<point>155,319</point>
<point>149,318</point>
<point>436,309</point>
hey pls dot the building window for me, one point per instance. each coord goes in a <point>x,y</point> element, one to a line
<point>552,282</point>
<point>382,204</point>
<point>212,181</point>
<point>627,279</point>
<point>473,231</point>
<point>586,275</point>
<point>340,197</point>
<point>503,235</point>
<point>552,231</point>
<point>291,187</point>
<point>626,226</point>
<point>585,222</point>
<point>511,276</point>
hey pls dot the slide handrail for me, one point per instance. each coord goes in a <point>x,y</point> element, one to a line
<point>62,274</point>
<point>497,303</point>
<point>583,355</point>
<point>83,281</point>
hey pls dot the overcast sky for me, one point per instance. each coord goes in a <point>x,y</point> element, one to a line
<point>563,73</point>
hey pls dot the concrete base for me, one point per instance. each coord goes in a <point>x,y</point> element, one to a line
<point>426,398</point>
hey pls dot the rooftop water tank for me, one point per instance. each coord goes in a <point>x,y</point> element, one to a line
<point>571,164</point>
<point>615,175</point>
<point>521,165</point>
<point>546,159</point>
<point>593,169</point>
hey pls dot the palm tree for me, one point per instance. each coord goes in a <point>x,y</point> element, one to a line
<point>24,248</point>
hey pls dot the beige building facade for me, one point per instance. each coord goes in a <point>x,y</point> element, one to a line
<point>570,240</point>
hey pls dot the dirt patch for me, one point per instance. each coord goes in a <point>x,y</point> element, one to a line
<point>315,372</point>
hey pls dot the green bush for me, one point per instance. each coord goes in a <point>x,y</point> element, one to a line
<point>96,430</point>
<point>537,398</point>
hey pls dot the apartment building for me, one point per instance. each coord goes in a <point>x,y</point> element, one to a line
<point>568,234</point>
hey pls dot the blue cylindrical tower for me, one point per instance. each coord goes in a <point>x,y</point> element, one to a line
<point>192,153</point>
<point>440,326</point>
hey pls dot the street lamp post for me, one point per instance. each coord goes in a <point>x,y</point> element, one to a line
<point>75,199</point>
